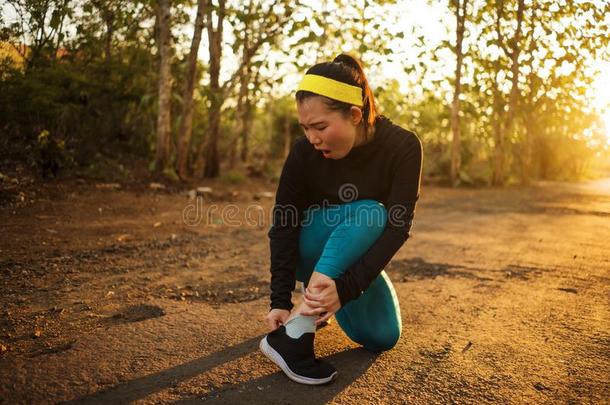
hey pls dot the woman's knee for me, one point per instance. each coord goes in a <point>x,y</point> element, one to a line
<point>383,340</point>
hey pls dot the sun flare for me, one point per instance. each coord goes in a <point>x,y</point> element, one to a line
<point>606,121</point>
<point>602,96</point>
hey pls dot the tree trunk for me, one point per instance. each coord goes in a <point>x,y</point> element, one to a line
<point>455,105</point>
<point>108,51</point>
<point>499,149</point>
<point>529,139</point>
<point>186,123</point>
<point>514,68</point>
<point>208,163</point>
<point>241,106</point>
<point>247,117</point>
<point>526,153</point>
<point>512,51</point>
<point>164,86</point>
<point>212,162</point>
<point>239,120</point>
<point>498,156</point>
<point>245,131</point>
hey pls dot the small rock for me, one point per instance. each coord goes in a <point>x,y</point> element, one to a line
<point>110,294</point>
<point>156,186</point>
<point>3,348</point>
<point>204,191</point>
<point>37,333</point>
<point>263,194</point>
<point>157,224</point>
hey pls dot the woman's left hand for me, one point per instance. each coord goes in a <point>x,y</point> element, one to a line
<point>325,299</point>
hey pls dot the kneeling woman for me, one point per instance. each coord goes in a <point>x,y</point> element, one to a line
<point>344,206</point>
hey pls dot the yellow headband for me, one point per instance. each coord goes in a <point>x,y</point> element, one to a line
<point>332,89</point>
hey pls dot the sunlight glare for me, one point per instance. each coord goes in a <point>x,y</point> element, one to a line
<point>602,95</point>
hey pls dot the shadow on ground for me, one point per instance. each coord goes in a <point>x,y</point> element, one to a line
<point>351,364</point>
<point>416,268</point>
<point>277,388</point>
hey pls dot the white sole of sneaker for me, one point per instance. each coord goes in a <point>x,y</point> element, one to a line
<point>277,359</point>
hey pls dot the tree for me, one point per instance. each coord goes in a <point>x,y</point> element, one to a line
<point>512,49</point>
<point>186,121</point>
<point>163,151</point>
<point>41,26</point>
<point>208,162</point>
<point>459,8</point>
<point>271,19</point>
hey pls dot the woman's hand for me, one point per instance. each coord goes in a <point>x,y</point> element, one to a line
<point>276,317</point>
<point>321,295</point>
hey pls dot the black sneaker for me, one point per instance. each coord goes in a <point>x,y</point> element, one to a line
<point>296,357</point>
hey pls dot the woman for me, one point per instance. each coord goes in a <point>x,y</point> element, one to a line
<point>344,205</point>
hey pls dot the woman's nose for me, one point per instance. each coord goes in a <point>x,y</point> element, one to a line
<point>314,140</point>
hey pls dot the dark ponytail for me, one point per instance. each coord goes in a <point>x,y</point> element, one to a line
<point>346,69</point>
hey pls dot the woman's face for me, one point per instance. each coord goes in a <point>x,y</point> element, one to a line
<point>329,131</point>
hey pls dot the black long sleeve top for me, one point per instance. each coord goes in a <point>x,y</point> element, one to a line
<point>387,169</point>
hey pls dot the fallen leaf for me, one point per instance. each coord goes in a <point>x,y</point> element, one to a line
<point>540,387</point>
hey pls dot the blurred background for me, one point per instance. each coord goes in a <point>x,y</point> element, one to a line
<point>501,92</point>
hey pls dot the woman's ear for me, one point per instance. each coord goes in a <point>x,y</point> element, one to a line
<point>356,115</point>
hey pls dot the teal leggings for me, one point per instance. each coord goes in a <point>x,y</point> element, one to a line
<point>332,238</point>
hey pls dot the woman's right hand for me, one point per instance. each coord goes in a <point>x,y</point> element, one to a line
<point>276,317</point>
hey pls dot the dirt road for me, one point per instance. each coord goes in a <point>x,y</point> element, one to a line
<point>141,295</point>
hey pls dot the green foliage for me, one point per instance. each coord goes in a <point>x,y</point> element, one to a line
<point>233,177</point>
<point>51,154</point>
<point>107,169</point>
<point>86,102</point>
<point>535,124</point>
<point>285,126</point>
<point>82,98</point>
